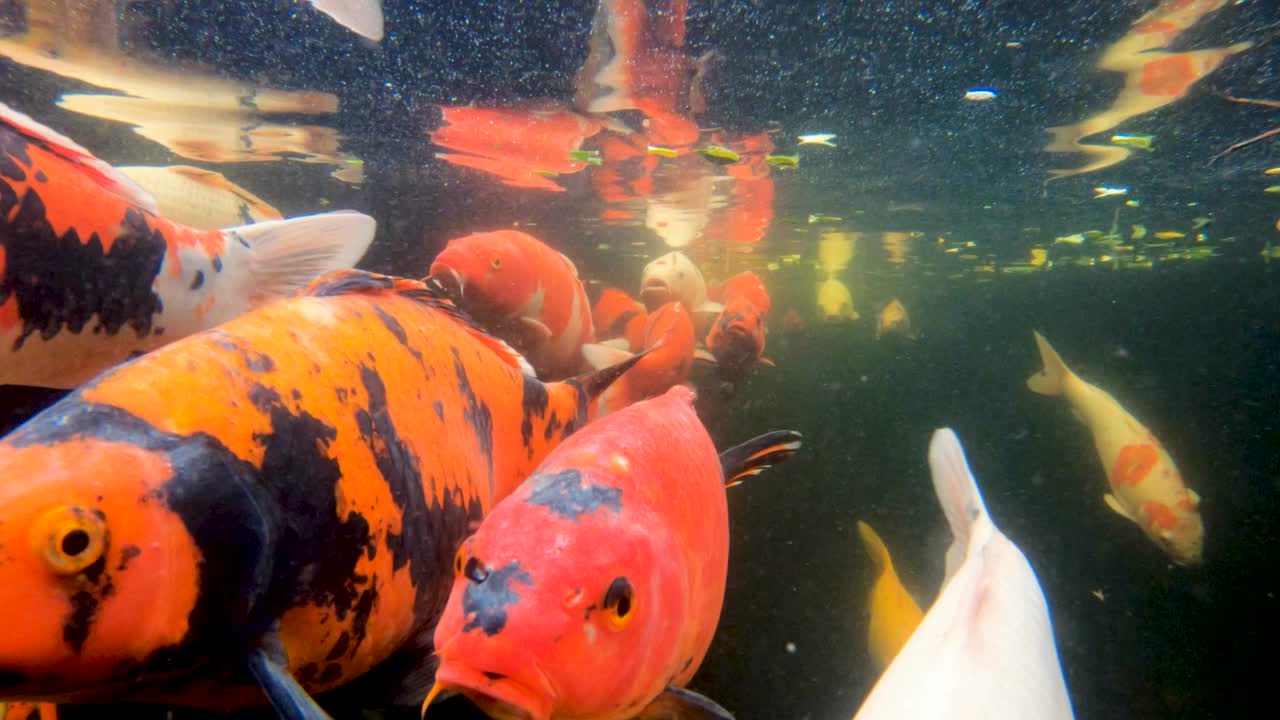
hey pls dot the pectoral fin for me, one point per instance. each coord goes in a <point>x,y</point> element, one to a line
<point>1114,504</point>
<point>681,704</point>
<point>288,698</point>
<point>704,356</point>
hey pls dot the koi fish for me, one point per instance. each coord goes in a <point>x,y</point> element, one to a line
<point>894,320</point>
<point>523,291</point>
<point>737,338</point>
<point>835,300</point>
<point>617,316</point>
<point>985,649</point>
<point>674,277</point>
<point>266,510</point>
<point>894,613</point>
<point>1146,486</point>
<point>669,338</point>
<point>613,555</point>
<point>90,275</point>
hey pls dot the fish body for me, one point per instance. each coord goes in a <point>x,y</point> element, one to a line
<point>783,162</point>
<point>736,340</point>
<point>980,95</point>
<point>617,315</point>
<point>1146,486</point>
<point>28,711</point>
<point>669,340</point>
<point>524,292</point>
<point>894,613</point>
<point>894,320</point>
<point>1105,191</point>
<point>985,648</point>
<point>1139,232</point>
<point>90,275</point>
<point>835,301</point>
<point>612,556</point>
<point>278,498</point>
<point>363,17</point>
<point>1170,235</point>
<point>675,277</point>
<point>201,198</point>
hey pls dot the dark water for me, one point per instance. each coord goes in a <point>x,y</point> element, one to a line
<point>1189,347</point>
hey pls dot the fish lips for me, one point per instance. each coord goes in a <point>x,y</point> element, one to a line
<point>655,292</point>
<point>450,281</point>
<point>499,695</point>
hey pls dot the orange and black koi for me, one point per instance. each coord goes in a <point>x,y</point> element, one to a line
<point>91,276</point>
<point>267,508</point>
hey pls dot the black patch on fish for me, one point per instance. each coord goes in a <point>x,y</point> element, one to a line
<point>13,155</point>
<point>198,280</point>
<point>619,326</point>
<point>399,468</point>
<point>61,282</point>
<point>84,606</point>
<point>254,360</point>
<point>332,673</point>
<point>486,603</point>
<point>127,553</point>
<point>340,647</point>
<point>564,494</point>
<point>553,427</point>
<point>477,415</point>
<point>397,329</point>
<point>217,264</point>
<point>439,408</point>
<point>348,281</point>
<point>246,217</point>
<point>533,402</point>
<point>9,678</point>
<point>41,177</point>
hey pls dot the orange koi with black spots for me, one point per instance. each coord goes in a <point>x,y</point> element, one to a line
<point>90,275</point>
<point>1146,486</point>
<point>525,293</point>
<point>275,500</point>
<point>593,591</point>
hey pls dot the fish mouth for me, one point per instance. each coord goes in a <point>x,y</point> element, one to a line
<point>655,290</point>
<point>500,696</point>
<point>450,281</point>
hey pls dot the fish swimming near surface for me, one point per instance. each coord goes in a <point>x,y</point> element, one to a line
<point>835,300</point>
<point>620,318</point>
<point>894,320</point>
<point>523,291</point>
<point>593,592</point>
<point>675,277</point>
<point>200,198</point>
<point>669,338</point>
<point>90,275</point>
<point>1146,486</point>
<point>736,341</point>
<point>268,509</point>
<point>985,648</point>
<point>894,613</point>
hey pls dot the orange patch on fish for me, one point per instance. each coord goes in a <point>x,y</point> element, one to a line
<point>1160,514</point>
<point>1134,464</point>
<point>1169,77</point>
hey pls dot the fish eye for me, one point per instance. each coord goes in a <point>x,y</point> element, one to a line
<point>618,602</point>
<point>496,263</point>
<point>70,538</point>
<point>457,562</point>
<point>475,571</point>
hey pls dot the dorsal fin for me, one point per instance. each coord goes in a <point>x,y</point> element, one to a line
<point>753,456</point>
<point>64,147</point>
<point>343,282</point>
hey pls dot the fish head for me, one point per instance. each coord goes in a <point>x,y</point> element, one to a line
<point>672,325</point>
<point>672,277</point>
<point>489,273</point>
<point>558,602</point>
<point>99,576</point>
<point>739,330</point>
<point>835,300</point>
<point>1176,527</point>
<point>748,285</point>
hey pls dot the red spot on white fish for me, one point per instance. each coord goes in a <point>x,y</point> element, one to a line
<point>1134,464</point>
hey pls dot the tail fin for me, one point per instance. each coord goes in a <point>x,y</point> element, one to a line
<point>1052,377</point>
<point>876,550</point>
<point>285,255</point>
<point>958,494</point>
<point>753,456</point>
<point>574,397</point>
